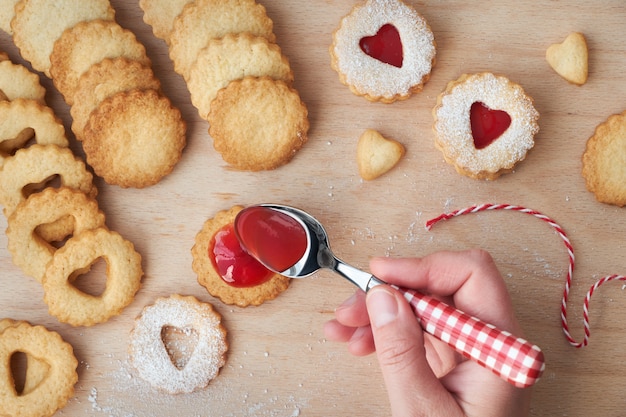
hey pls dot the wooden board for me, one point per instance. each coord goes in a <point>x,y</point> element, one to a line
<point>279,363</point>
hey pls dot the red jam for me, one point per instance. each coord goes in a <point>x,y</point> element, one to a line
<point>233,263</point>
<point>487,124</point>
<point>385,46</point>
<point>274,238</point>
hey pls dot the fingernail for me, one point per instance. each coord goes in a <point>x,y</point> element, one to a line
<point>382,307</point>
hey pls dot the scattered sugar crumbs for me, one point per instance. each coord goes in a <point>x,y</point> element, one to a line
<point>115,401</point>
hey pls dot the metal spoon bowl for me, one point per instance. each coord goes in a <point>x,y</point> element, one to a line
<point>511,358</point>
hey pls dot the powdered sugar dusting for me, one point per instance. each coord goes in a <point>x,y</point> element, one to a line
<point>370,76</point>
<point>149,355</point>
<point>454,134</point>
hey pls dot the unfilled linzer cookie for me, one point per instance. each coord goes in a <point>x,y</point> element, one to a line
<point>226,270</point>
<point>484,125</point>
<point>383,50</point>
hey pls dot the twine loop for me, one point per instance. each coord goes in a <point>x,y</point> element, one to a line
<point>570,270</point>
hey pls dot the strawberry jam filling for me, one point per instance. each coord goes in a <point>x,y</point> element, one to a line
<point>384,46</point>
<point>273,237</point>
<point>233,263</point>
<point>487,124</point>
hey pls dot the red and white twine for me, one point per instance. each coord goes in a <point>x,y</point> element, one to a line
<point>570,270</point>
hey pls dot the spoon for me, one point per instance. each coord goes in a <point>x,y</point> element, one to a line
<point>293,243</point>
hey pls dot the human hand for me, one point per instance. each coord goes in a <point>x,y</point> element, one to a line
<point>423,375</point>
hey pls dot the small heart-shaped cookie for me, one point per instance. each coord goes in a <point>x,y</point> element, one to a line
<point>376,154</point>
<point>570,58</point>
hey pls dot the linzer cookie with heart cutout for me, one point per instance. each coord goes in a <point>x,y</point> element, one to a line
<point>484,125</point>
<point>383,50</point>
<point>49,384</point>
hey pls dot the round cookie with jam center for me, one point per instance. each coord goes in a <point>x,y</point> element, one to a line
<point>246,281</point>
<point>384,50</point>
<point>484,125</point>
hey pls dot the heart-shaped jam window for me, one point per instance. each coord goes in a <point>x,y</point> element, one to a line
<point>384,46</point>
<point>487,124</point>
<point>179,344</point>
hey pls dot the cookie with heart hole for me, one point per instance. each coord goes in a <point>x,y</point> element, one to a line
<point>383,50</point>
<point>181,366</point>
<point>57,365</point>
<point>484,125</point>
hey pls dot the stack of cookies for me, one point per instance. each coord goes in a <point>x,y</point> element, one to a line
<point>56,230</point>
<point>132,135</point>
<point>239,80</point>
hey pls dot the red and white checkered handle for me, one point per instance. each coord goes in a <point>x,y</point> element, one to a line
<point>511,358</point>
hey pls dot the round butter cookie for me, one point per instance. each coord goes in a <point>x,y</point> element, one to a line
<point>7,12</point>
<point>134,139</point>
<point>39,23</point>
<point>484,125</point>
<point>24,119</point>
<point>258,123</point>
<point>255,285</point>
<point>105,79</point>
<point>202,20</point>
<point>160,14</point>
<point>150,355</point>
<point>230,58</point>
<point>16,81</point>
<point>86,44</point>
<point>383,50</point>
<point>604,161</point>
<point>31,167</point>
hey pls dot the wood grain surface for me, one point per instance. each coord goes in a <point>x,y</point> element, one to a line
<point>279,363</point>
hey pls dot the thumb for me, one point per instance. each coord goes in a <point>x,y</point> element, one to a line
<point>412,387</point>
